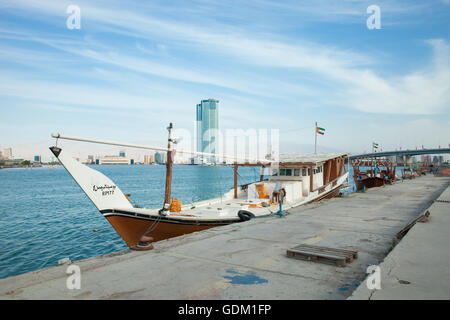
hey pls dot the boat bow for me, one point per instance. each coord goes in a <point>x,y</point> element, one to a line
<point>101,190</point>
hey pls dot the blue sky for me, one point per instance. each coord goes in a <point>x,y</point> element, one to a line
<point>135,66</point>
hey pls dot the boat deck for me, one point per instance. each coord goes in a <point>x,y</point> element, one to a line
<point>227,208</point>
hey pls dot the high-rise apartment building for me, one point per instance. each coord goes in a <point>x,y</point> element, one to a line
<point>207,121</point>
<point>160,158</point>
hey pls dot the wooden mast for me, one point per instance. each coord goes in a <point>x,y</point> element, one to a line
<point>235,180</point>
<point>169,163</point>
<point>261,177</point>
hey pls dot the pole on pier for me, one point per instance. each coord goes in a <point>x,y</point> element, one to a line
<point>235,180</point>
<point>315,138</point>
<point>261,177</point>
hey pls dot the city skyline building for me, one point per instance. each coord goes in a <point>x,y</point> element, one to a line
<point>115,160</point>
<point>90,160</point>
<point>149,159</point>
<point>120,159</point>
<point>7,153</point>
<point>160,158</point>
<point>207,123</point>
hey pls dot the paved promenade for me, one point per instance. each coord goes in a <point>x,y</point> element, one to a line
<point>248,260</point>
<point>419,266</point>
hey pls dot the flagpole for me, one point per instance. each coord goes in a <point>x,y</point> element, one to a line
<point>315,138</point>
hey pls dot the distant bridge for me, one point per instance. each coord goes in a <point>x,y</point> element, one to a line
<point>400,153</point>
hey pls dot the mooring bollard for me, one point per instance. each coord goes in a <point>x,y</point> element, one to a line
<point>280,211</point>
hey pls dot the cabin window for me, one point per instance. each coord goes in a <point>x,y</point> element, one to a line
<point>289,172</point>
<point>304,172</point>
<point>282,172</point>
<point>296,172</point>
<point>309,171</point>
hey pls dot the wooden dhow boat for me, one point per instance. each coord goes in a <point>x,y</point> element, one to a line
<point>294,180</point>
<point>378,173</point>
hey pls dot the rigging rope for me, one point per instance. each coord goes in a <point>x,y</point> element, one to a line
<point>152,226</point>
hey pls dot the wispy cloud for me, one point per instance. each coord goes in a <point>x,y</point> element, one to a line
<point>364,89</point>
<point>423,91</point>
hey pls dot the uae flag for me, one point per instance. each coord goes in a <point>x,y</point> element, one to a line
<point>320,130</point>
<point>374,145</point>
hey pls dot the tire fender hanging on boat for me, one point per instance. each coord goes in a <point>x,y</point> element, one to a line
<point>245,215</point>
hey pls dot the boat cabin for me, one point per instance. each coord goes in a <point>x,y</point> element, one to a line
<point>299,175</point>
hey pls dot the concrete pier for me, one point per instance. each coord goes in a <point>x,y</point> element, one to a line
<point>248,260</point>
<point>418,267</point>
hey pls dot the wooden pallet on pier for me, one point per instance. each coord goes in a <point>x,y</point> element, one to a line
<point>339,257</point>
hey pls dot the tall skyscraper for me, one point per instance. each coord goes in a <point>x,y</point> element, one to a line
<point>160,158</point>
<point>208,127</point>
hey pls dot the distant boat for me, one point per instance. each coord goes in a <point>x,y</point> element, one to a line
<point>379,172</point>
<point>294,180</point>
